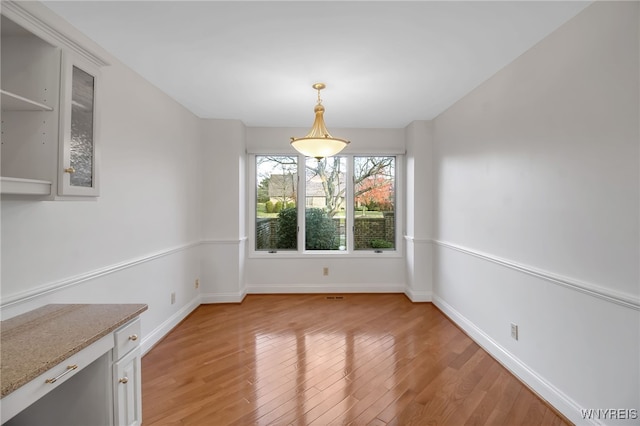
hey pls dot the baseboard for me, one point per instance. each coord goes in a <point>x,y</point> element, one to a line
<point>561,402</point>
<point>163,329</point>
<point>334,288</point>
<point>223,297</point>
<point>418,296</point>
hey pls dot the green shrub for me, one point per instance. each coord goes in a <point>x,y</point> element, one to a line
<point>291,205</point>
<point>278,207</point>
<point>268,206</point>
<point>381,244</point>
<point>319,227</point>
<point>320,230</point>
<point>287,229</point>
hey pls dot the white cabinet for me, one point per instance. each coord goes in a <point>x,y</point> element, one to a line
<point>99,385</point>
<point>53,398</point>
<point>127,398</point>
<point>77,167</point>
<point>127,379</point>
<point>49,84</point>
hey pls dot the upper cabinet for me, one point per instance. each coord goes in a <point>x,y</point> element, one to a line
<point>77,170</point>
<point>49,84</point>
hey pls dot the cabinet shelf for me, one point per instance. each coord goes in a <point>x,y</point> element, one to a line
<point>18,186</point>
<point>13,102</point>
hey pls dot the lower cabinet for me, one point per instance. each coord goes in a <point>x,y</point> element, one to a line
<point>126,390</point>
<point>127,380</point>
<point>102,389</point>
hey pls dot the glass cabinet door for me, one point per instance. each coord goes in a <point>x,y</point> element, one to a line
<point>78,150</point>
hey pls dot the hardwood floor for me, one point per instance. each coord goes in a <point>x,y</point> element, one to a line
<point>308,360</point>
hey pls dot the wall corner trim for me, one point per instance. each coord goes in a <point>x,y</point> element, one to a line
<point>418,296</point>
<point>233,297</point>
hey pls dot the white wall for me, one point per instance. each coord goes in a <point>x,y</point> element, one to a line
<point>136,243</point>
<point>537,213</point>
<point>223,215</point>
<point>533,217</point>
<point>419,208</point>
<point>303,274</point>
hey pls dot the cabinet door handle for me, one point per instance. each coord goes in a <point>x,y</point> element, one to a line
<point>69,170</point>
<point>124,380</point>
<point>69,369</point>
<point>133,337</point>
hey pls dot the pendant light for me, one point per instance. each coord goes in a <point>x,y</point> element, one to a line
<point>318,142</point>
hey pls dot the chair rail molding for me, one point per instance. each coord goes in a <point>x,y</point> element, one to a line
<point>55,286</point>
<point>620,298</point>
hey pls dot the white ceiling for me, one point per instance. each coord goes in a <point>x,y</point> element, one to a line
<point>385,63</point>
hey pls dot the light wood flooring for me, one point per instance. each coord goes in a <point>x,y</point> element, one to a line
<point>373,359</point>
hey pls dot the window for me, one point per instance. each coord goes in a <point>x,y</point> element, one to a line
<point>348,204</point>
<point>325,191</point>
<point>276,199</point>
<point>374,201</point>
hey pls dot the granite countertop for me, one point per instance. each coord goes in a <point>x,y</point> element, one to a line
<point>37,341</point>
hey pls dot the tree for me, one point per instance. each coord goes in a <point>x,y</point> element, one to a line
<point>329,174</point>
<point>263,190</point>
<point>278,179</point>
<point>375,193</point>
<point>374,179</point>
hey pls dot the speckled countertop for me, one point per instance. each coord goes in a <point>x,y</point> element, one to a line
<point>36,341</point>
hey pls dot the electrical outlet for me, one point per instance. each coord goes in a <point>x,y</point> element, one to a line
<point>197,284</point>
<point>173,297</point>
<point>325,271</point>
<point>514,331</point>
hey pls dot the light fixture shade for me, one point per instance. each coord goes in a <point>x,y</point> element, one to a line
<point>318,142</point>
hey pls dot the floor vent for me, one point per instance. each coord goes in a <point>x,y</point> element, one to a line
<point>335,297</point>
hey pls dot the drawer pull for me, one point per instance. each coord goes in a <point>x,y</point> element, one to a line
<point>69,369</point>
<point>133,337</point>
<point>124,380</point>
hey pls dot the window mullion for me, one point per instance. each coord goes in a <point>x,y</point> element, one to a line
<point>301,201</point>
<point>349,216</point>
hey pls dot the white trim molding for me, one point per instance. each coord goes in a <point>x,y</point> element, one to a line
<point>87,276</point>
<point>151,339</point>
<point>321,289</point>
<point>623,299</point>
<point>21,13</point>
<point>418,240</point>
<point>418,296</point>
<point>226,241</point>
<point>546,390</point>
<point>238,297</point>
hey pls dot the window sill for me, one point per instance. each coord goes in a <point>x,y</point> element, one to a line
<point>395,254</point>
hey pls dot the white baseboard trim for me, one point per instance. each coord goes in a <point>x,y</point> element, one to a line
<point>163,329</point>
<point>418,296</point>
<point>316,288</point>
<point>567,406</point>
<point>222,297</point>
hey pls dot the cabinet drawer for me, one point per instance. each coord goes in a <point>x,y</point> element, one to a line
<point>36,389</point>
<point>127,338</point>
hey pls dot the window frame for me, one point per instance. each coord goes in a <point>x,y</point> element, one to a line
<point>301,251</point>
